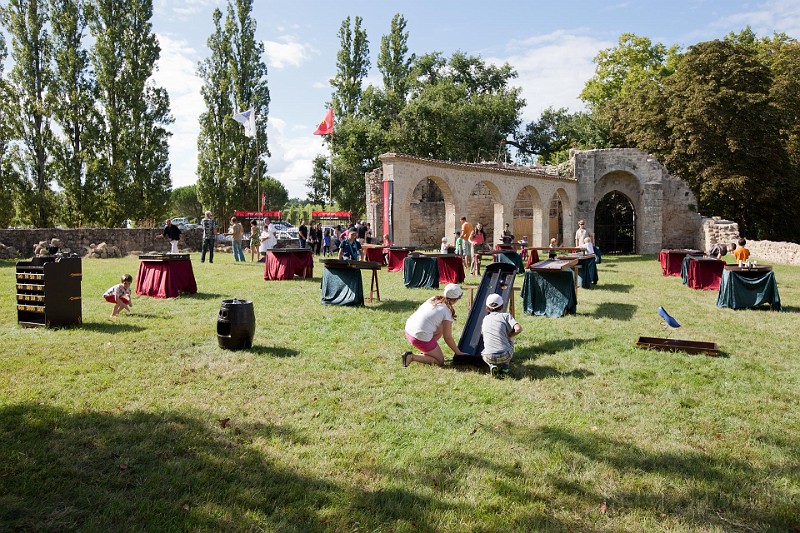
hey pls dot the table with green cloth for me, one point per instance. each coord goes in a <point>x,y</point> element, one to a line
<point>743,288</point>
<point>421,271</point>
<point>672,260</point>
<point>549,293</point>
<point>342,286</point>
<point>510,256</point>
<point>685,268</point>
<point>587,271</point>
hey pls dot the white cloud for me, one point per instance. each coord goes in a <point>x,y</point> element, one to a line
<point>553,69</point>
<point>287,53</point>
<point>176,73</point>
<point>292,155</point>
<point>182,9</point>
<point>765,18</point>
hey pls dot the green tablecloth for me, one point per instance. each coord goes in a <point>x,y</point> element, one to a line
<point>342,286</point>
<point>511,257</point>
<point>549,293</point>
<point>597,254</point>
<point>421,272</point>
<point>587,274</point>
<point>685,269</point>
<point>743,291</point>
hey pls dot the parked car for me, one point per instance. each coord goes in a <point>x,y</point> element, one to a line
<point>180,221</point>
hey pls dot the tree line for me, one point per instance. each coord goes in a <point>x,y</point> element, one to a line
<point>724,115</point>
<point>83,138</point>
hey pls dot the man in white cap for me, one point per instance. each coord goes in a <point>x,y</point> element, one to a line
<point>498,329</point>
<point>432,321</point>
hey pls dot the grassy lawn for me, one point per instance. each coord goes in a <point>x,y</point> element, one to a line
<point>120,425</point>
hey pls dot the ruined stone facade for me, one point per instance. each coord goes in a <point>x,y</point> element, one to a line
<point>429,197</point>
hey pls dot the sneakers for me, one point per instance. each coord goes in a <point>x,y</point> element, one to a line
<point>405,357</point>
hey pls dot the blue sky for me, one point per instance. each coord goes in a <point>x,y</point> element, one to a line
<point>550,44</point>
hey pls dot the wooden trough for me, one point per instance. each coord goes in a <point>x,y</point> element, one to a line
<point>678,345</point>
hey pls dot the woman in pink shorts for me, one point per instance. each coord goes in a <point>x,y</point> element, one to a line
<point>430,322</point>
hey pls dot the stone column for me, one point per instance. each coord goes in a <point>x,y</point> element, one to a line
<point>650,223</point>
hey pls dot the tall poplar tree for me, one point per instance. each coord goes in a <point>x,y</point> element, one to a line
<point>394,64</point>
<point>72,103</point>
<point>29,120</point>
<point>8,177</point>
<point>132,167</point>
<point>230,165</point>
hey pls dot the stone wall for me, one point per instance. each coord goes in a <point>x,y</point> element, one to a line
<point>79,240</point>
<point>716,230</point>
<point>784,253</point>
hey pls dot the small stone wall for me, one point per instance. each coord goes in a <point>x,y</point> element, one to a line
<point>783,253</point>
<point>716,230</point>
<point>80,240</point>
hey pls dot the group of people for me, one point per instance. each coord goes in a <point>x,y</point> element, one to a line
<point>433,320</point>
<point>736,249</point>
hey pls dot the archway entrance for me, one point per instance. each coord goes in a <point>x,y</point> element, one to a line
<point>556,220</point>
<point>615,224</point>
<point>427,214</point>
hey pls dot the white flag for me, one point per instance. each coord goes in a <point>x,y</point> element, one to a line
<point>248,120</point>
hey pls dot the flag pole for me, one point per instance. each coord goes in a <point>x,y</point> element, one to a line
<point>330,173</point>
<point>258,163</point>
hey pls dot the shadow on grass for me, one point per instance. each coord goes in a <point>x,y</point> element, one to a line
<point>206,296</point>
<point>613,287</point>
<point>140,471</point>
<point>615,311</point>
<point>789,309</point>
<point>112,326</point>
<point>274,351</point>
<point>548,348</point>
<point>753,496</point>
<point>403,306</point>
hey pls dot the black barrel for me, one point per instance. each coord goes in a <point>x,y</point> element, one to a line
<point>236,324</point>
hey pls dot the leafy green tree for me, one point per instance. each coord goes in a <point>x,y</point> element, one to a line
<point>352,66</point>
<point>184,203</point>
<point>275,194</point>
<point>317,184</point>
<point>8,176</point>
<point>230,165</point>
<point>29,118</point>
<point>71,101</point>
<point>556,131</point>
<point>132,165</point>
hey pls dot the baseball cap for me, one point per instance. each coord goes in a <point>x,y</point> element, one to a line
<point>494,301</point>
<point>452,291</point>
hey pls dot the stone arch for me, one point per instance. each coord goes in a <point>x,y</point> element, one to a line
<point>431,206</point>
<point>485,205</point>
<point>618,187</point>
<point>529,216</point>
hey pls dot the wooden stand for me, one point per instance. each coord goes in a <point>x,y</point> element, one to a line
<point>678,345</point>
<point>49,291</point>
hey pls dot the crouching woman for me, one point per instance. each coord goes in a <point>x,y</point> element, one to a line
<point>432,321</point>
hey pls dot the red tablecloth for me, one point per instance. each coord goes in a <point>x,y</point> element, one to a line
<point>705,274</point>
<point>287,265</point>
<point>451,269</point>
<point>396,259</point>
<point>533,258</point>
<point>671,262</point>
<point>373,254</point>
<point>165,279</point>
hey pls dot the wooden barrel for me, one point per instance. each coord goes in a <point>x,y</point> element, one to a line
<point>236,324</point>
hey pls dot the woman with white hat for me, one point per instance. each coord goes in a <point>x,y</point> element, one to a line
<point>429,323</point>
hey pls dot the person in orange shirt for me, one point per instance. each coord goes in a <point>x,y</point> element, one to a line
<point>466,233</point>
<point>741,253</point>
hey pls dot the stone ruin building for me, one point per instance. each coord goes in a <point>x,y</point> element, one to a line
<point>628,199</point>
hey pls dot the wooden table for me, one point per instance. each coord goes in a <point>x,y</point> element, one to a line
<point>165,275</point>
<point>748,287</point>
<point>331,265</point>
<point>672,260</point>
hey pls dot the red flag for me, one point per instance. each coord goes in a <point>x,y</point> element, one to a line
<point>262,200</point>
<point>326,126</point>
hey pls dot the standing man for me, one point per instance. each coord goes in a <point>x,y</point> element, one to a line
<point>173,233</point>
<point>581,234</point>
<point>303,231</point>
<point>466,233</point>
<point>361,232</point>
<point>237,234</point>
<point>269,238</point>
<point>209,226</point>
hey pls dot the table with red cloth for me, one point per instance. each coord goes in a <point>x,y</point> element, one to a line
<point>672,260</point>
<point>451,267</point>
<point>373,252</point>
<point>396,256</point>
<point>704,273</point>
<point>286,263</point>
<point>162,276</point>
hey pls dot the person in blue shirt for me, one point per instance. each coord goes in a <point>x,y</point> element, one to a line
<point>351,248</point>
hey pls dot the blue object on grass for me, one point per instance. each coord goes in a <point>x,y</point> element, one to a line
<point>667,318</point>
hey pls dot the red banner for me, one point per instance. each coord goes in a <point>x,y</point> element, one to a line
<point>332,214</point>
<point>259,214</point>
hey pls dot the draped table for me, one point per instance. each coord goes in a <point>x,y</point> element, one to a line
<point>286,263</point>
<point>373,252</point>
<point>672,260</point>
<point>429,270</point>
<point>395,257</point>
<point>548,288</point>
<point>165,276</point>
<point>341,282</point>
<point>703,273</point>
<point>747,288</point>
<point>587,269</point>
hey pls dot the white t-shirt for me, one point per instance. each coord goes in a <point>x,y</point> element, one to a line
<point>589,247</point>
<point>496,329</point>
<point>580,235</point>
<point>424,322</point>
<point>268,239</point>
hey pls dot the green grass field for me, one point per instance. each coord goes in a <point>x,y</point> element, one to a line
<point>120,425</point>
